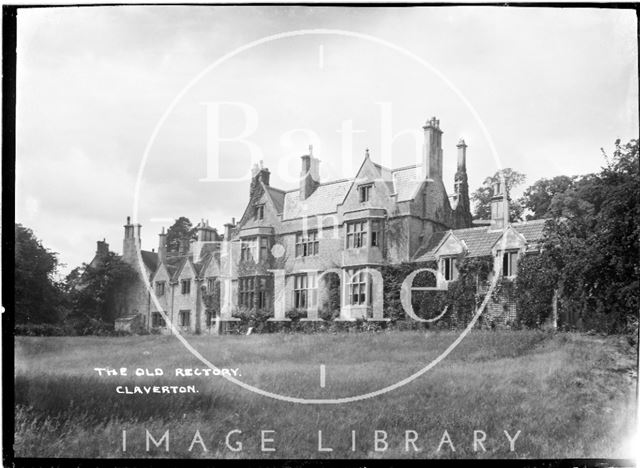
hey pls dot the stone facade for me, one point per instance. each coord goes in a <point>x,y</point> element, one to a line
<point>281,253</point>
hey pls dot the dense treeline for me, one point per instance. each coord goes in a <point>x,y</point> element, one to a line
<point>591,251</point>
<point>83,303</point>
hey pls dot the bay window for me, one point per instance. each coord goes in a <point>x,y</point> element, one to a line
<point>246,249</point>
<point>366,233</point>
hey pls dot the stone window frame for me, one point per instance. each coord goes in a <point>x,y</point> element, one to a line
<point>246,290</point>
<point>305,290</point>
<point>508,261</point>
<point>157,320</point>
<point>452,262</point>
<point>185,286</point>
<point>247,248</point>
<point>259,211</point>
<point>264,245</point>
<point>184,316</point>
<point>307,246</point>
<point>253,292</point>
<point>160,288</point>
<point>376,232</point>
<point>364,233</point>
<point>211,284</point>
<point>358,279</point>
<point>364,192</point>
<point>356,234</point>
<point>262,287</point>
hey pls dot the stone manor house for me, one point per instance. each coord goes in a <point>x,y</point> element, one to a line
<point>281,253</point>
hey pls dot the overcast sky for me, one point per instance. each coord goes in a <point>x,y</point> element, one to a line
<point>551,86</point>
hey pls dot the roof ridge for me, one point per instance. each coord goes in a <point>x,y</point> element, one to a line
<point>531,221</point>
<point>478,228</point>
<point>398,169</point>
<point>322,184</point>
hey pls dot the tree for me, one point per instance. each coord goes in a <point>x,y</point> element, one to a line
<point>482,196</point>
<point>576,201</point>
<point>538,197</point>
<point>39,297</point>
<point>181,231</point>
<point>594,248</point>
<point>95,292</point>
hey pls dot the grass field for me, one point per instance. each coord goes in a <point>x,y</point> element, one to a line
<point>570,395</point>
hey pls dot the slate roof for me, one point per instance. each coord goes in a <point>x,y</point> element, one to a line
<point>174,265</point>
<point>323,200</point>
<point>277,196</point>
<point>480,240</point>
<point>206,250</point>
<point>150,259</point>
<point>406,181</point>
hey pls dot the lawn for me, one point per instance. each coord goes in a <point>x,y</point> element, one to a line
<point>569,395</point>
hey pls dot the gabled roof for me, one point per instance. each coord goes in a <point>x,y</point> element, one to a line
<point>480,240</point>
<point>174,265</point>
<point>206,250</point>
<point>277,197</point>
<point>404,181</point>
<point>180,266</point>
<point>150,259</point>
<point>206,260</point>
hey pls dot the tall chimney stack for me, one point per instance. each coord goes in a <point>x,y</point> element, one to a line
<point>463,218</point>
<point>462,156</point>
<point>162,246</point>
<point>102,249</point>
<point>432,150</point>
<point>499,206</point>
<point>309,174</point>
<point>131,242</point>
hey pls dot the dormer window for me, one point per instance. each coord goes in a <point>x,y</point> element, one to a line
<point>185,286</point>
<point>259,212</point>
<point>365,192</point>
<point>510,263</point>
<point>448,268</point>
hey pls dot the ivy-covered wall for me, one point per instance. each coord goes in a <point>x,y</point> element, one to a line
<point>525,301</point>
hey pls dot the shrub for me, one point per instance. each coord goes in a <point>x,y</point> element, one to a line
<point>44,329</point>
